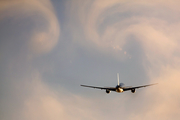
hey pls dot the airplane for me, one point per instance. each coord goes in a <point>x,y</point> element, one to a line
<point>119,88</point>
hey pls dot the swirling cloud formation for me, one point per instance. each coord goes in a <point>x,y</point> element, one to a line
<point>110,25</point>
<point>45,31</point>
<point>28,29</point>
<point>97,28</point>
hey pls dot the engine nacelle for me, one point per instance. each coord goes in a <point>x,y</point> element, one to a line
<point>133,90</point>
<point>108,91</point>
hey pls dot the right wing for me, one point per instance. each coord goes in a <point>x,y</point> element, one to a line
<point>130,88</point>
<point>102,88</point>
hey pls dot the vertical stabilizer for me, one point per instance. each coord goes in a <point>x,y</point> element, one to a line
<point>118,78</point>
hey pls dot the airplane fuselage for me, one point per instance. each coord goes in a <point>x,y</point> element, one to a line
<point>119,90</point>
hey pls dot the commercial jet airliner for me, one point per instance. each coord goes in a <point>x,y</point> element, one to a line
<point>119,88</point>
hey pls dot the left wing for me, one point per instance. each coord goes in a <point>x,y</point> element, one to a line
<point>130,88</point>
<point>102,88</point>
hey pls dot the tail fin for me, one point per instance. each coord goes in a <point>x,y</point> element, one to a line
<point>118,78</point>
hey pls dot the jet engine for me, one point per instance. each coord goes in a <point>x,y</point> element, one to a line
<point>133,90</point>
<point>108,91</point>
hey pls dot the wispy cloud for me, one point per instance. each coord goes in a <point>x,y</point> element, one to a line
<point>46,28</point>
<point>28,29</point>
<point>108,25</point>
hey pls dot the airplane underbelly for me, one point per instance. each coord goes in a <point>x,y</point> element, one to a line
<point>119,90</point>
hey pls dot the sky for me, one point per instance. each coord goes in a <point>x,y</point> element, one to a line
<point>48,48</point>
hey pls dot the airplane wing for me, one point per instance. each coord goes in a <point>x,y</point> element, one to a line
<point>130,88</point>
<point>102,88</point>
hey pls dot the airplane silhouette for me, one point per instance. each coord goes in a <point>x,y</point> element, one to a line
<point>119,88</point>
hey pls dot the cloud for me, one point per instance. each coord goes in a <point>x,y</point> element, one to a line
<point>108,24</point>
<point>164,97</point>
<point>99,27</point>
<point>29,29</point>
<point>107,27</point>
<point>43,102</point>
<point>45,32</point>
